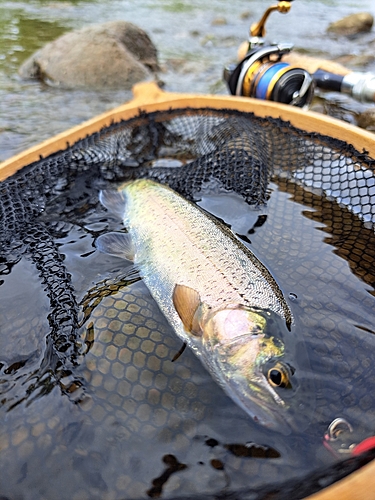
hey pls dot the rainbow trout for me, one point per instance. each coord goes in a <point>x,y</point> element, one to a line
<point>218,297</point>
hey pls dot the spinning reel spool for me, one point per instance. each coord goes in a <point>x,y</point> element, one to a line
<point>262,73</point>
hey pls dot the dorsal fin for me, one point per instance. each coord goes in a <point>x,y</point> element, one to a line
<point>114,201</point>
<point>186,301</point>
<point>117,244</point>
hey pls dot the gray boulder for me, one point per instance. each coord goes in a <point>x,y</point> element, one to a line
<point>112,55</point>
<point>352,25</point>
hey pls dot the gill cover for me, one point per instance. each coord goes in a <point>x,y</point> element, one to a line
<point>236,349</point>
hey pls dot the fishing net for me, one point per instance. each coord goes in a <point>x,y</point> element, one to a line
<point>45,343</point>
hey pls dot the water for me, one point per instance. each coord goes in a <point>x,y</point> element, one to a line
<point>125,422</point>
<point>192,52</point>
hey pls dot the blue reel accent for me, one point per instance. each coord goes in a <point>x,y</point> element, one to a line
<point>262,87</point>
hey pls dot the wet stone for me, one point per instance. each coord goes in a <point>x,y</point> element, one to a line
<point>353,24</point>
<point>112,55</point>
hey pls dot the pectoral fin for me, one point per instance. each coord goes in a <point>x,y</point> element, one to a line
<point>114,201</point>
<point>117,244</point>
<point>186,301</point>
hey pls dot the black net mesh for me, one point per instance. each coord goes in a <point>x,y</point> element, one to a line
<point>194,152</point>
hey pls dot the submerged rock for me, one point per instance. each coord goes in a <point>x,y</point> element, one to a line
<point>352,25</point>
<point>219,21</point>
<point>112,55</point>
<point>366,119</point>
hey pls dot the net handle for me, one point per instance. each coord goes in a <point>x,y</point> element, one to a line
<point>357,485</point>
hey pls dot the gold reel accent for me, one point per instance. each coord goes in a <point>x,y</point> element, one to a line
<point>258,29</point>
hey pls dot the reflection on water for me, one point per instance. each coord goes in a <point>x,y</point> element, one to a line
<point>125,421</point>
<point>18,40</point>
<point>192,48</point>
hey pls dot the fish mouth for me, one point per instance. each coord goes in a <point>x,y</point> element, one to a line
<point>263,404</point>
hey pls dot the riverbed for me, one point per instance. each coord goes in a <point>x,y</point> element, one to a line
<point>194,41</point>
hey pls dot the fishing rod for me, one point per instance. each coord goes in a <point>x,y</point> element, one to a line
<point>262,73</point>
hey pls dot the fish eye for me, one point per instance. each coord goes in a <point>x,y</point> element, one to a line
<point>278,376</point>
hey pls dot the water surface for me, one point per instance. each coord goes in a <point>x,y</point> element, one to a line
<point>126,422</point>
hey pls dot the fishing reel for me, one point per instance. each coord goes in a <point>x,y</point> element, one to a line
<point>263,75</point>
